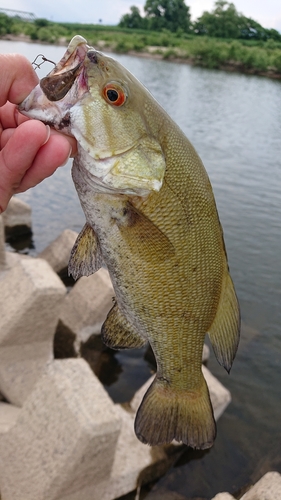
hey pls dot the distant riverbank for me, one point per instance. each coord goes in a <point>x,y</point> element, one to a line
<point>233,66</point>
<point>232,55</point>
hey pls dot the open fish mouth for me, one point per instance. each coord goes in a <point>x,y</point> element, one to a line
<point>52,99</point>
<point>60,80</point>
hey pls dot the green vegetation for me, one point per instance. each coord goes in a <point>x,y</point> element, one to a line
<point>167,14</point>
<point>164,14</point>
<point>223,22</point>
<point>220,39</point>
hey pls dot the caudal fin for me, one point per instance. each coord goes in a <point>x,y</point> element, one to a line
<point>166,414</point>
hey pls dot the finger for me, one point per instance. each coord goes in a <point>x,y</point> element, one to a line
<point>18,78</point>
<point>71,140</point>
<point>18,155</point>
<point>10,117</point>
<point>7,134</point>
<point>52,155</point>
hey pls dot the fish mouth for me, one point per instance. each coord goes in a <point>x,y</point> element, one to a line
<point>59,81</point>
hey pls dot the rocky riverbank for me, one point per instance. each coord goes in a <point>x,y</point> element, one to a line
<point>61,435</point>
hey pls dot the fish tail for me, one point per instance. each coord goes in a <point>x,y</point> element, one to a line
<point>166,414</point>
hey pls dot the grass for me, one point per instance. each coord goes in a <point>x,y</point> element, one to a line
<point>240,55</point>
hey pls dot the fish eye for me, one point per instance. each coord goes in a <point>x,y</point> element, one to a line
<point>114,94</point>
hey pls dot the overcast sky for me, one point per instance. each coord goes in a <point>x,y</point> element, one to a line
<point>267,13</point>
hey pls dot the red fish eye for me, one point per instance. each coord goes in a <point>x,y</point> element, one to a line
<point>114,94</point>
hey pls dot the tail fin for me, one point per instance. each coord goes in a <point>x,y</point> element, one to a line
<point>166,414</point>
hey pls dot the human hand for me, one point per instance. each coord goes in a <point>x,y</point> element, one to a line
<point>29,150</point>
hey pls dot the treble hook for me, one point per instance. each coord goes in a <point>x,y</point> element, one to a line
<point>44,59</point>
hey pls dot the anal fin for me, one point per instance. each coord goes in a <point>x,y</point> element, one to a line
<point>118,333</point>
<point>225,330</point>
<point>86,257</point>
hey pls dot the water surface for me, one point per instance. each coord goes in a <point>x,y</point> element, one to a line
<point>234,122</point>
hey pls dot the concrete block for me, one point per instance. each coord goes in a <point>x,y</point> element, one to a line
<point>2,245</point>
<point>64,439</point>
<point>8,416</point>
<point>223,496</point>
<point>12,258</point>
<point>219,395</point>
<point>134,464</point>
<point>17,216</point>
<point>267,488</point>
<point>86,306</point>
<point>30,301</point>
<point>58,252</point>
<point>205,353</point>
<point>31,296</point>
<point>20,368</point>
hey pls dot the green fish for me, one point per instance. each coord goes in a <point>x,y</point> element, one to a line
<point>151,218</point>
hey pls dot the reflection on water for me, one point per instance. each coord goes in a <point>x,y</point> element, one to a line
<point>234,121</point>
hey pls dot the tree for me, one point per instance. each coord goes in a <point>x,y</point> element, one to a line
<point>41,22</point>
<point>225,22</point>
<point>252,30</point>
<point>167,14</point>
<point>6,24</point>
<point>222,22</point>
<point>133,20</point>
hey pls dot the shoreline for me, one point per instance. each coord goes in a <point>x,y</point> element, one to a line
<point>230,66</point>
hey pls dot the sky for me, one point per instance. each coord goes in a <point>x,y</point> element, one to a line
<point>267,13</point>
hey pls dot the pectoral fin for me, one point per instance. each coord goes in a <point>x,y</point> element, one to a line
<point>143,237</point>
<point>225,329</point>
<point>86,257</point>
<point>118,333</point>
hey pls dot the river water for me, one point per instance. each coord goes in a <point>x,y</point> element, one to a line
<point>234,122</point>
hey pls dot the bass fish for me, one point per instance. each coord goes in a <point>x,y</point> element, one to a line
<point>151,218</point>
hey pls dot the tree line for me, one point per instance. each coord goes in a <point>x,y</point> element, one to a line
<point>174,15</point>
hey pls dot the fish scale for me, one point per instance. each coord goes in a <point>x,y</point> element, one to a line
<point>151,218</point>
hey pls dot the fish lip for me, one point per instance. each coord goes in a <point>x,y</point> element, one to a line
<point>66,83</point>
<point>76,50</point>
<point>59,81</point>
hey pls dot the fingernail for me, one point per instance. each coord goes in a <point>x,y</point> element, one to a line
<point>48,134</point>
<point>69,155</point>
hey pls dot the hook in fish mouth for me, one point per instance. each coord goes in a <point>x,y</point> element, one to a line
<point>44,59</point>
<point>60,80</point>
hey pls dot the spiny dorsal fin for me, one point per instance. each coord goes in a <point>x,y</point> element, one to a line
<point>85,258</point>
<point>225,329</point>
<point>118,333</point>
